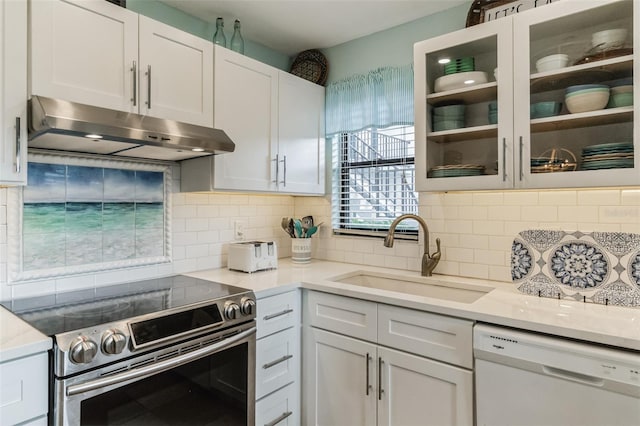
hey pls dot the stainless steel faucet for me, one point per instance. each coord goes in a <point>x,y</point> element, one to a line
<point>429,262</point>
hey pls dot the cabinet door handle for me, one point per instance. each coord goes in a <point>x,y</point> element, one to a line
<point>276,160</point>
<point>148,86</point>
<point>380,390</point>
<point>276,362</point>
<point>504,159</point>
<point>280,418</point>
<point>284,170</point>
<point>367,386</point>
<point>18,156</point>
<point>134,72</point>
<point>277,314</point>
<point>521,170</point>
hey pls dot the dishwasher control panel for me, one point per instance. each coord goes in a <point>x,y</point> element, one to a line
<point>556,356</point>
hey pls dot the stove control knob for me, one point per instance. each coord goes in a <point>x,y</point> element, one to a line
<point>247,306</point>
<point>231,310</point>
<point>113,342</point>
<point>82,350</point>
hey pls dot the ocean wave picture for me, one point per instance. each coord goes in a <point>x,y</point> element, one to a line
<point>76,215</point>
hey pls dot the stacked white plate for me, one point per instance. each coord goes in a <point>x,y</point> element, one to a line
<point>617,155</point>
<point>456,170</point>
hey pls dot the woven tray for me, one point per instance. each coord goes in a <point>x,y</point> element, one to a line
<point>311,65</point>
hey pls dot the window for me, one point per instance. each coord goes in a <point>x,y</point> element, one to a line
<point>374,181</point>
<point>369,119</point>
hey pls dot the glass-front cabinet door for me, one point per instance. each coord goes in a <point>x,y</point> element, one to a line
<point>574,67</point>
<point>463,106</point>
<point>540,99</point>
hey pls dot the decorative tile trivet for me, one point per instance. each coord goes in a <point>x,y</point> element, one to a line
<point>597,267</point>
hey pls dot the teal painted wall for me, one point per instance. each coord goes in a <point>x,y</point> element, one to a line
<point>188,23</point>
<point>391,47</point>
<point>385,48</point>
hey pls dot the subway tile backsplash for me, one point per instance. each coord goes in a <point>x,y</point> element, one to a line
<point>476,229</point>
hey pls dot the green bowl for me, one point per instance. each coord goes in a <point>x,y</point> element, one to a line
<point>620,100</point>
<point>545,109</point>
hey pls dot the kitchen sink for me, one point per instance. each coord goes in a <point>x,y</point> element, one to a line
<point>419,286</point>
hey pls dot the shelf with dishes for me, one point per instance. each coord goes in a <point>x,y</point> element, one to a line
<point>472,94</point>
<point>583,119</point>
<point>592,72</point>
<point>464,134</point>
<point>601,156</point>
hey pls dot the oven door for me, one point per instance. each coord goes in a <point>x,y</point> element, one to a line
<point>202,381</point>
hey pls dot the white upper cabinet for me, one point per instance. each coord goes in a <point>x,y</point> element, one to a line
<point>597,146</point>
<point>246,108</point>
<point>84,51</point>
<point>276,121</point>
<point>176,74</point>
<point>481,149</point>
<point>13,92</point>
<point>504,138</point>
<point>94,52</point>
<point>301,142</point>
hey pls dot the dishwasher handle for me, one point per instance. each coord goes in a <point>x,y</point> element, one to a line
<point>573,376</point>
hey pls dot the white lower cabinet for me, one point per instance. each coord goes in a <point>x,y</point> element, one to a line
<point>23,391</point>
<point>279,408</point>
<point>278,359</point>
<point>420,391</point>
<point>352,381</point>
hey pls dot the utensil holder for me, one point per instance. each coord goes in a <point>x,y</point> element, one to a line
<point>301,250</point>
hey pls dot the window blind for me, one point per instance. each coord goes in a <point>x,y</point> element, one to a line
<point>374,181</point>
<point>370,123</point>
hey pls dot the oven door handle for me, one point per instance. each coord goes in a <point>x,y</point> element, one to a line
<point>159,367</point>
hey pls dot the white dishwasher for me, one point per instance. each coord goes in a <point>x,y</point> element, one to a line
<point>529,379</point>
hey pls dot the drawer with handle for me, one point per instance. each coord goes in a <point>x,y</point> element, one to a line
<point>279,408</point>
<point>278,312</point>
<point>277,361</point>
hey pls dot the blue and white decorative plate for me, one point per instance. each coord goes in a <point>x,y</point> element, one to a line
<point>597,267</point>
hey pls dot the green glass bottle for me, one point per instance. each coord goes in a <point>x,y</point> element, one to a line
<point>218,37</point>
<point>237,42</point>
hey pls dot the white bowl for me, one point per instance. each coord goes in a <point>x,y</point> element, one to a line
<point>584,102</point>
<point>609,39</point>
<point>622,89</point>
<point>495,73</point>
<point>552,62</point>
<point>459,80</point>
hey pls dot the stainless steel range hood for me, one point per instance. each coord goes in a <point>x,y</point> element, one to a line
<point>68,126</point>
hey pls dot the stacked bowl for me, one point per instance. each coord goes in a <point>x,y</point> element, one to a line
<point>609,39</point>
<point>448,117</point>
<point>621,93</point>
<point>545,109</point>
<point>493,113</point>
<point>459,73</point>
<point>586,97</point>
<point>552,62</point>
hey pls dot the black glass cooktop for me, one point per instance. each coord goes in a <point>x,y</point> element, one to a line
<point>58,313</point>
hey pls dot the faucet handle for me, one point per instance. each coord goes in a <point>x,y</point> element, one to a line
<point>437,254</point>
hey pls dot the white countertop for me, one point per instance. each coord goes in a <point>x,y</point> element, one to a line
<point>19,339</point>
<point>503,305</point>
